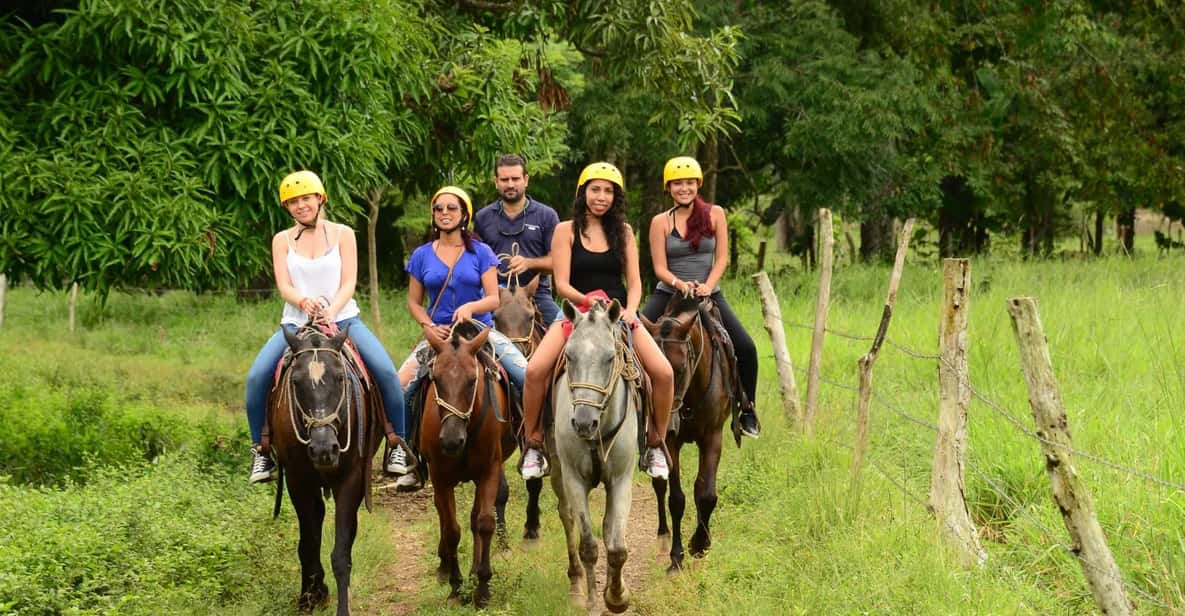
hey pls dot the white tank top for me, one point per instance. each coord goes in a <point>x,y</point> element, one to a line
<point>319,277</point>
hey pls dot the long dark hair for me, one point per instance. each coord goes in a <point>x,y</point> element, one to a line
<point>612,221</point>
<point>699,223</point>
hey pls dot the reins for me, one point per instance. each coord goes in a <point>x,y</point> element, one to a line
<point>310,421</point>
<point>621,370</point>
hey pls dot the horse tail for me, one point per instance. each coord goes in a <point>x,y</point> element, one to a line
<point>279,493</point>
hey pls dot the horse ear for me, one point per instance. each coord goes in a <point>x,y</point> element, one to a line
<point>650,326</point>
<point>337,342</point>
<point>504,295</point>
<point>532,286</point>
<point>614,311</point>
<point>477,341</point>
<point>293,342</point>
<point>434,340</point>
<point>569,310</point>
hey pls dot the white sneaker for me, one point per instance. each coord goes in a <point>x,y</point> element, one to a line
<point>399,462</point>
<point>534,464</point>
<point>409,482</point>
<point>656,463</point>
<point>262,469</point>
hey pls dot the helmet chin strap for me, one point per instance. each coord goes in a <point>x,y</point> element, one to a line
<point>304,227</point>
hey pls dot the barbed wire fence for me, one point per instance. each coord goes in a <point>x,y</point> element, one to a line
<point>1170,599</point>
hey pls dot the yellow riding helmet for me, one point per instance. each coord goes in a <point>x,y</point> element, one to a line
<point>301,183</point>
<point>681,168</point>
<point>601,171</point>
<point>460,194</point>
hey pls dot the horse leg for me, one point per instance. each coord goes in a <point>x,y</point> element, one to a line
<point>531,528</point>
<point>578,501</point>
<point>660,495</point>
<point>678,505</point>
<point>483,521</point>
<point>310,512</point>
<point>617,513</point>
<point>705,493</point>
<point>503,495</point>
<point>450,536</point>
<point>347,496</point>
<point>576,585</point>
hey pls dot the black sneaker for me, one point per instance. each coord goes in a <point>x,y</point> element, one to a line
<point>263,469</point>
<point>749,425</point>
<point>399,462</point>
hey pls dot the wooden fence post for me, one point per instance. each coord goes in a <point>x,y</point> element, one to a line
<point>73,304</point>
<point>761,256</point>
<point>3,296</point>
<point>1071,495</point>
<point>947,488</point>
<point>777,338</point>
<point>827,239</point>
<point>866,361</point>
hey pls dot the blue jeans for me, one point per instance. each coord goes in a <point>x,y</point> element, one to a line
<point>547,306</point>
<point>506,353</point>
<point>378,363</point>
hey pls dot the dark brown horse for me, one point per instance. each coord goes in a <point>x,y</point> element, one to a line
<point>519,320</point>
<point>324,430</point>
<point>703,400</point>
<point>464,436</point>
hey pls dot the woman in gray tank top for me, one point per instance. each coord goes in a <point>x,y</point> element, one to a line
<point>689,251</point>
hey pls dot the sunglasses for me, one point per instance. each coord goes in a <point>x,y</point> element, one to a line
<point>451,207</point>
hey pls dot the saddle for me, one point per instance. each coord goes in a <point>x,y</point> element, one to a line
<point>713,322</point>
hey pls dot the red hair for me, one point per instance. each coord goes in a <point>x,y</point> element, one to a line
<point>699,224</point>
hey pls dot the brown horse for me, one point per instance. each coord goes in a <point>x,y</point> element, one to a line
<point>703,400</point>
<point>519,320</point>
<point>464,436</point>
<point>323,430</point>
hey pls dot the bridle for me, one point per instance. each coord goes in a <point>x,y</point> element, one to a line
<point>309,420</point>
<point>621,370</point>
<point>452,410</point>
<point>694,354</point>
<point>526,343</point>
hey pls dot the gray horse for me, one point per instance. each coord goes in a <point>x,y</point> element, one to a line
<point>595,441</point>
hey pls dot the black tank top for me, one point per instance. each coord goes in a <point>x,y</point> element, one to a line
<point>596,270</point>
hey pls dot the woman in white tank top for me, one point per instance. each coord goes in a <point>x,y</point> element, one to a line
<point>315,263</point>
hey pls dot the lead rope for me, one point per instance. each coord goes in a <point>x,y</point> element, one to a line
<point>288,390</point>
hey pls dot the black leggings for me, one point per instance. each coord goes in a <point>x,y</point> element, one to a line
<point>743,345</point>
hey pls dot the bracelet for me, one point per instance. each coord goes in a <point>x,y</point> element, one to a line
<point>675,281</point>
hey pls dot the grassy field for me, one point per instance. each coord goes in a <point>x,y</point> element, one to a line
<point>124,450</point>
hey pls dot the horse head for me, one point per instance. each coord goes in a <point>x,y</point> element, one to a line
<point>318,393</point>
<point>681,340</point>
<point>515,315</point>
<point>456,376</point>
<point>594,365</point>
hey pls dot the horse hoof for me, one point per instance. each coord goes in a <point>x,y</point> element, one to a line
<point>442,575</point>
<point>676,566</point>
<point>699,547</point>
<point>620,605</point>
<point>313,599</point>
<point>481,598</point>
<point>531,534</point>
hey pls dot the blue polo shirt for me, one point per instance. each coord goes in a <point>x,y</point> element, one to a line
<point>463,287</point>
<point>532,229</point>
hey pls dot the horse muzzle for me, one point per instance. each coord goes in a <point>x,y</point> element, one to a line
<point>586,425</point>
<point>325,452</point>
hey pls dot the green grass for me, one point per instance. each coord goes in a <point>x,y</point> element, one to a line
<point>789,536</point>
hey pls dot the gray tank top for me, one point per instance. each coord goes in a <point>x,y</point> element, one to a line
<point>688,264</point>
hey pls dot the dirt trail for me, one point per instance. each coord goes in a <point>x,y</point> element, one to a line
<point>413,569</point>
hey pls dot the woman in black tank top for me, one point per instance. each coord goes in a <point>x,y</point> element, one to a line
<point>596,251</point>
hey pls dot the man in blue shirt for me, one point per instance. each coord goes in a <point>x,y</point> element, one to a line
<point>518,219</point>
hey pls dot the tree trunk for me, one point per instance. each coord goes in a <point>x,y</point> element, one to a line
<point>876,238</point>
<point>1126,223</point>
<point>374,199</point>
<point>654,200</point>
<point>711,162</point>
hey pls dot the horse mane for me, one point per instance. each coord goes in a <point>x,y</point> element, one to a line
<point>464,330</point>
